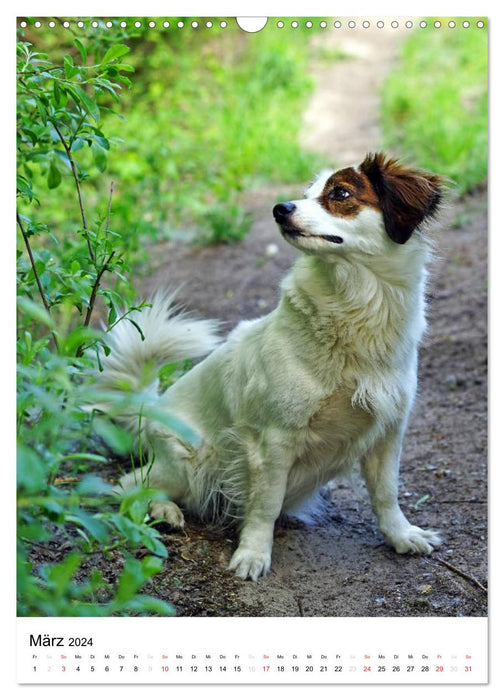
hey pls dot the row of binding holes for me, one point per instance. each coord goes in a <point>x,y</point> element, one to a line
<point>124,24</point>
<point>280,24</point>
<point>380,24</point>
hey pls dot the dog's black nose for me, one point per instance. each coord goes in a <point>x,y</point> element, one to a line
<point>282,211</point>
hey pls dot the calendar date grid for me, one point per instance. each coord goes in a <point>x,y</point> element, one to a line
<point>260,664</point>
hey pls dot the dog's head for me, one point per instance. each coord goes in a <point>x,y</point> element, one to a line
<point>360,208</point>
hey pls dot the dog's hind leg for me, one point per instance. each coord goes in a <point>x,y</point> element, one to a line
<point>381,471</point>
<point>166,472</point>
<point>158,510</point>
<point>169,512</point>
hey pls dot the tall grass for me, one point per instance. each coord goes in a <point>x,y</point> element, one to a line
<point>435,101</point>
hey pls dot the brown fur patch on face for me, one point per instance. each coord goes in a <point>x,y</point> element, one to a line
<point>406,196</point>
<point>347,192</point>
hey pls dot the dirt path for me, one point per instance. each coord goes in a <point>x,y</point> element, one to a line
<point>343,568</point>
<point>341,119</point>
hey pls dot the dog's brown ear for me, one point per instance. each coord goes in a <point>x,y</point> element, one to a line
<point>407,197</point>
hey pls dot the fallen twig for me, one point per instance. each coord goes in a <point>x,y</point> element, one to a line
<point>186,558</point>
<point>461,573</point>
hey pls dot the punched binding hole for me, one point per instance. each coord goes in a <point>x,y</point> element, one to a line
<point>251,24</point>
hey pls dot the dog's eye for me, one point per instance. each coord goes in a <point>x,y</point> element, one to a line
<point>338,193</point>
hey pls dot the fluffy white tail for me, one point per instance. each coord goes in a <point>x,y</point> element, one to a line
<point>168,335</point>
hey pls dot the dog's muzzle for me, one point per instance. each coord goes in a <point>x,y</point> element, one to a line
<point>282,211</point>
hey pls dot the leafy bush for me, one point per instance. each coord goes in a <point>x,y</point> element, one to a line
<point>435,102</point>
<point>62,273</point>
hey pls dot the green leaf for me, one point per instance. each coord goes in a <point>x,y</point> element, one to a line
<point>31,135</point>
<point>148,604</point>
<point>115,52</point>
<point>116,438</point>
<point>173,422</point>
<point>77,337</point>
<point>151,566</point>
<point>126,81</point>
<point>134,323</point>
<point>112,316</point>
<point>101,140</point>
<point>24,187</point>
<point>96,529</point>
<point>35,312</point>
<point>54,175</point>
<point>134,575</point>
<point>85,101</point>
<point>126,527</point>
<point>100,157</point>
<point>41,110</point>
<point>150,539</point>
<point>130,581</point>
<point>421,501</point>
<point>70,70</point>
<point>57,93</point>
<point>138,510</point>
<point>60,96</point>
<point>82,50</point>
<point>31,471</point>
<point>139,493</point>
<point>112,71</point>
<point>92,485</point>
<point>60,575</point>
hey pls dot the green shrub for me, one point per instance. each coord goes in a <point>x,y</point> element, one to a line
<point>62,273</point>
<point>434,107</point>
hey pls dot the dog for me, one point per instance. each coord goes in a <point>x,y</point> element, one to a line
<point>298,397</point>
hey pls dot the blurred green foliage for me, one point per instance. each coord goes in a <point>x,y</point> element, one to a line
<point>435,101</point>
<point>211,112</point>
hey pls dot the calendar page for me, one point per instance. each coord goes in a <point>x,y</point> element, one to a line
<point>251,349</point>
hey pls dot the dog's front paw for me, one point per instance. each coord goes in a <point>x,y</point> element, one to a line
<point>168,511</point>
<point>250,563</point>
<point>415,540</point>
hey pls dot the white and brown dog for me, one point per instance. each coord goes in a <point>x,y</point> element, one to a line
<point>297,397</point>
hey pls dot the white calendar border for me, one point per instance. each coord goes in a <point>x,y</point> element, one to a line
<point>263,8</point>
